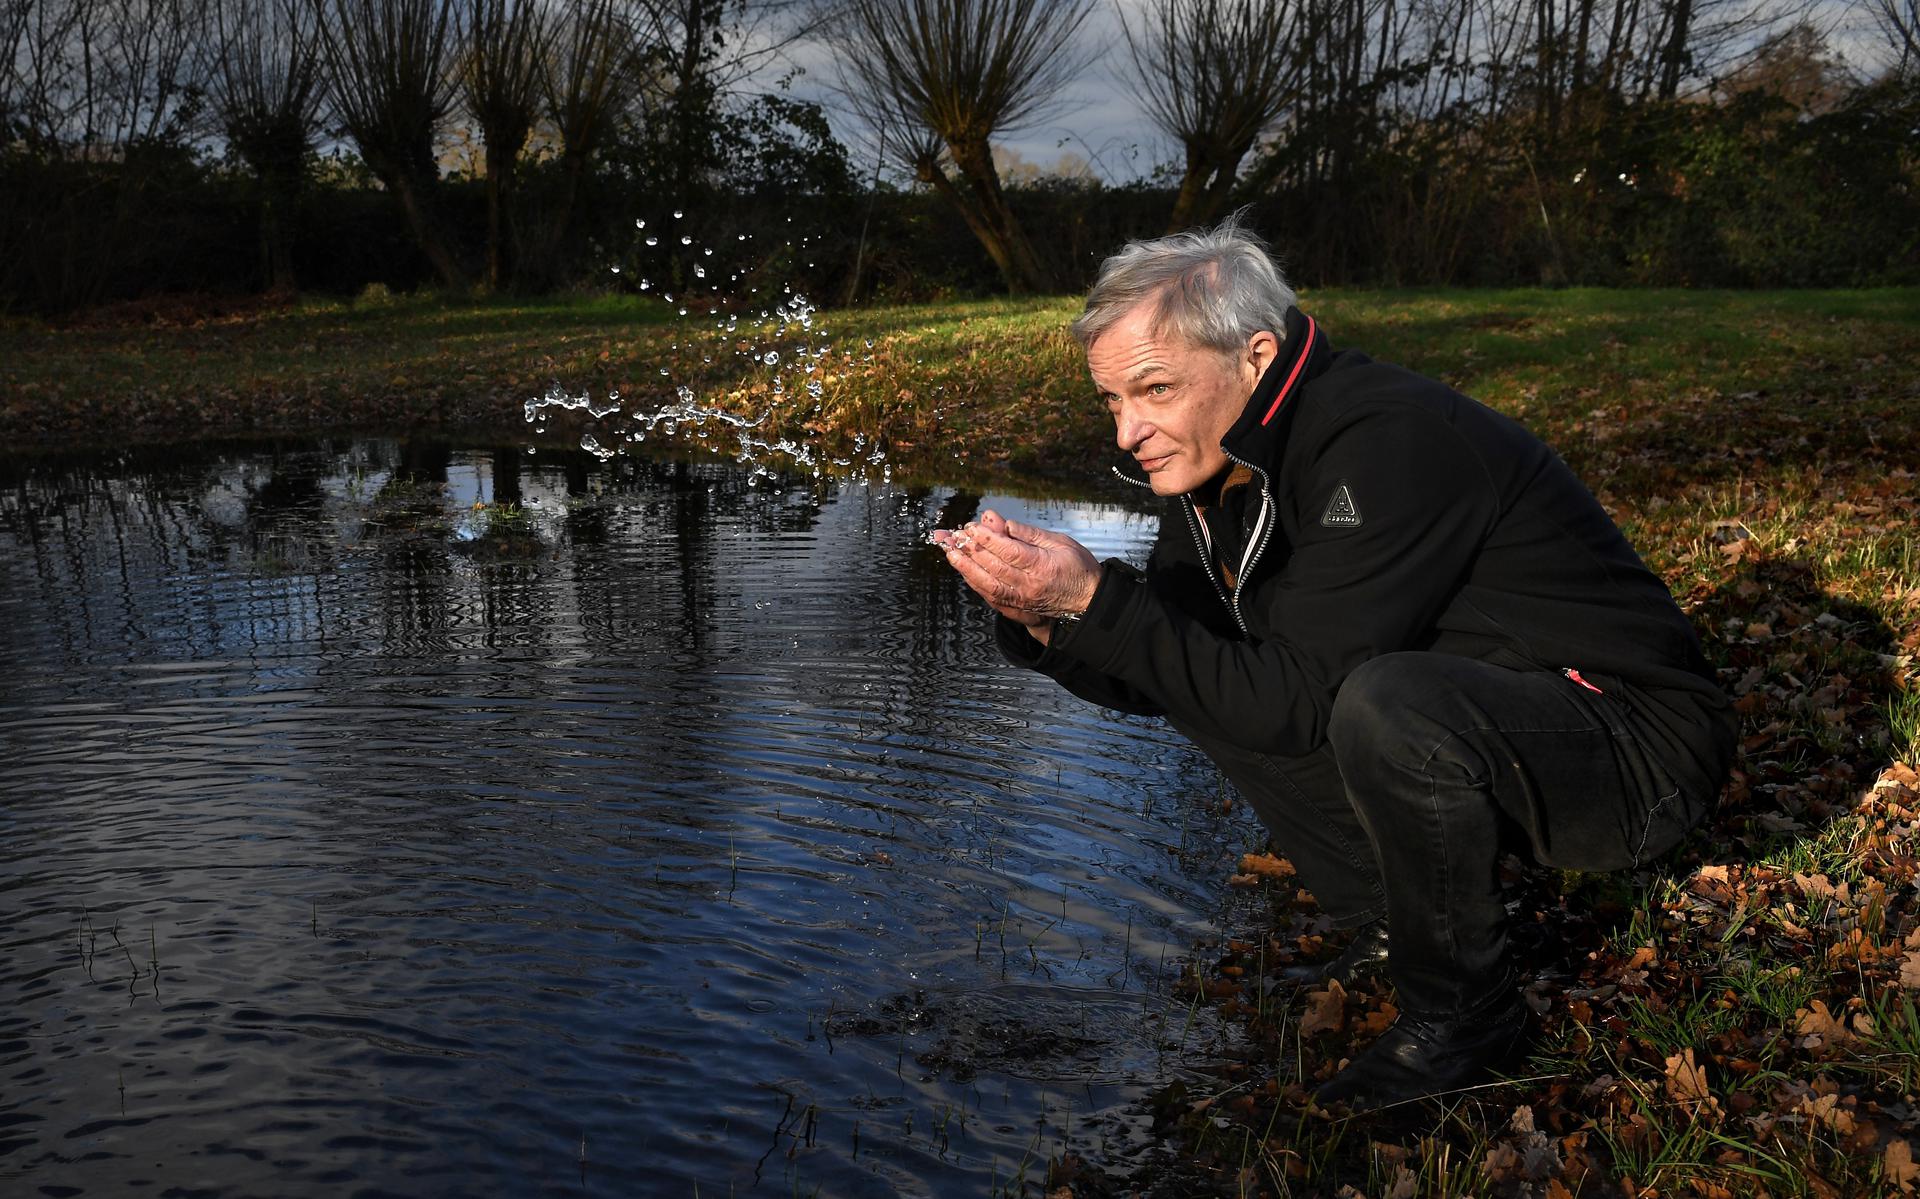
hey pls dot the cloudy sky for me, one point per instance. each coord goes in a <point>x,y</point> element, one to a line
<point>1100,119</point>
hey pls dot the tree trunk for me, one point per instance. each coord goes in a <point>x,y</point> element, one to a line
<point>932,173</point>
<point>276,244</point>
<point>500,250</point>
<point>974,159</point>
<point>425,232</point>
<point>1674,57</point>
<point>1193,186</point>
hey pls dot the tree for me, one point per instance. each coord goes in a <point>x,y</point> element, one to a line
<point>589,81</point>
<point>1899,22</point>
<point>267,94</point>
<point>501,80</point>
<point>1216,75</point>
<point>390,71</point>
<point>946,77</point>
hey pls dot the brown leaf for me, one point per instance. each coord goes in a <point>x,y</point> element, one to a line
<point>1828,1110</point>
<point>1910,970</point>
<point>1379,1020</point>
<point>1265,864</point>
<point>1819,1025</point>
<point>1687,1080</point>
<point>1502,1164</point>
<point>1406,1185</point>
<point>1326,1010</point>
<point>1898,1167</point>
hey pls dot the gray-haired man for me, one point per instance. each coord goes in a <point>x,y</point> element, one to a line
<point>1392,616</point>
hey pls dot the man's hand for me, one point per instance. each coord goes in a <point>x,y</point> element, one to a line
<point>1028,575</point>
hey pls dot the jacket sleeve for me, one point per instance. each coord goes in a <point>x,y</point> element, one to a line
<point>1091,685</point>
<point>1347,593</point>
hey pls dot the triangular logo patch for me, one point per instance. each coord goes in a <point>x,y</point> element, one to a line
<point>1342,512</point>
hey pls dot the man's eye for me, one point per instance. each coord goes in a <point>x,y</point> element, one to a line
<point>1159,389</point>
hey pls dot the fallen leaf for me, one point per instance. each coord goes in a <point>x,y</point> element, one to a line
<point>1898,1167</point>
<point>1687,1081</point>
<point>1819,1025</point>
<point>1326,1010</point>
<point>1406,1185</point>
<point>1828,1111</point>
<point>1910,970</point>
<point>1378,1020</point>
<point>1265,864</point>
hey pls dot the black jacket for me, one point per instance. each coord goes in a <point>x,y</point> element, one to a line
<point>1387,512</point>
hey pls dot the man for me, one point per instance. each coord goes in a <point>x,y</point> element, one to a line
<point>1392,616</point>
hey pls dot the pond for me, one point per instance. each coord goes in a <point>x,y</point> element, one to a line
<point>391,818</point>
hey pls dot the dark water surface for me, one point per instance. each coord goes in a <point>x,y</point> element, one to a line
<point>680,837</point>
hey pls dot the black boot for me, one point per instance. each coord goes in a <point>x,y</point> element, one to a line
<point>1365,954</point>
<point>1428,1055</point>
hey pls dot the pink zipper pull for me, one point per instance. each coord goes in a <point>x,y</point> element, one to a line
<point>1573,674</point>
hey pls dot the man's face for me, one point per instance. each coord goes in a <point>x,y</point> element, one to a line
<point>1172,402</point>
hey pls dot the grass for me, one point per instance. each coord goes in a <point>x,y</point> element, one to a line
<point>1740,1021</point>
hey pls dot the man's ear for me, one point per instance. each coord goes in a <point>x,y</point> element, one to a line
<point>1262,348</point>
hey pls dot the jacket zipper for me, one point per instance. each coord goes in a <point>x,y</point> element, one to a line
<point>1205,544</point>
<point>1263,527</point>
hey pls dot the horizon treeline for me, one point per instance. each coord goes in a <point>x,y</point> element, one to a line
<point>530,146</point>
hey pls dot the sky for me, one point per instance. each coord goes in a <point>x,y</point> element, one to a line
<point>1100,118</point>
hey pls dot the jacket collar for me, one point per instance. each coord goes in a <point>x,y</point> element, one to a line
<point>1259,433</point>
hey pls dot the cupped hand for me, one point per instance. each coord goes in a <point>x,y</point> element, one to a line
<point>1028,574</point>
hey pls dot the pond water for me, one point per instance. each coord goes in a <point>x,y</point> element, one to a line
<point>386,818</point>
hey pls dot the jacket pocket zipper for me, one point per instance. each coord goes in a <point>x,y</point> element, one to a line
<point>1573,674</point>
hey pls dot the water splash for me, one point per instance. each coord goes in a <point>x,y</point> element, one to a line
<point>786,354</point>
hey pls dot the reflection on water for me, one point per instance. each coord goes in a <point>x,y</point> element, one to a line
<point>390,818</point>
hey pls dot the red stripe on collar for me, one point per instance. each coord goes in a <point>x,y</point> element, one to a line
<point>1298,364</point>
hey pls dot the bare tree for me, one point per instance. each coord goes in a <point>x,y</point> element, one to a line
<point>267,94</point>
<point>390,69</point>
<point>502,76</point>
<point>964,71</point>
<point>1216,75</point>
<point>588,82</point>
<point>1899,22</point>
<point>16,18</point>
<point>96,77</point>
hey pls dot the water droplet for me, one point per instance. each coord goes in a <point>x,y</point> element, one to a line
<point>676,214</point>
<point>645,284</point>
<point>639,224</point>
<point>653,241</point>
<point>771,357</point>
<point>686,241</point>
<point>699,272</point>
<point>616,269</point>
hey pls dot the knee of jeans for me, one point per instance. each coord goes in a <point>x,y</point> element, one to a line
<point>1382,718</point>
<point>1374,698</point>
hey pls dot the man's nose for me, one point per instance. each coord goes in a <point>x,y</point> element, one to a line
<point>1129,430</point>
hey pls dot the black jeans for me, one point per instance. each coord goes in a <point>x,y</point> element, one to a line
<point>1434,765</point>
